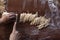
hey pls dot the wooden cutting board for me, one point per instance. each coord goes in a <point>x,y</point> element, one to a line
<point>26,6</point>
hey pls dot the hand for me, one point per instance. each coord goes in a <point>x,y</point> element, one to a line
<point>7,16</point>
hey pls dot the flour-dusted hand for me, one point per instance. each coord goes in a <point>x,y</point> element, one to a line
<point>7,16</point>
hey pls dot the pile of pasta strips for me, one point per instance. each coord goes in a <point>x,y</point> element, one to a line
<point>2,6</point>
<point>40,21</point>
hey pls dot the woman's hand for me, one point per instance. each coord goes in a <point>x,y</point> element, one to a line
<point>7,16</point>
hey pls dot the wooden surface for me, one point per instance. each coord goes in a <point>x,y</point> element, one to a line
<point>26,6</point>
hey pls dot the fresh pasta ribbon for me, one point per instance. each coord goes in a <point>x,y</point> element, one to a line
<point>35,20</point>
